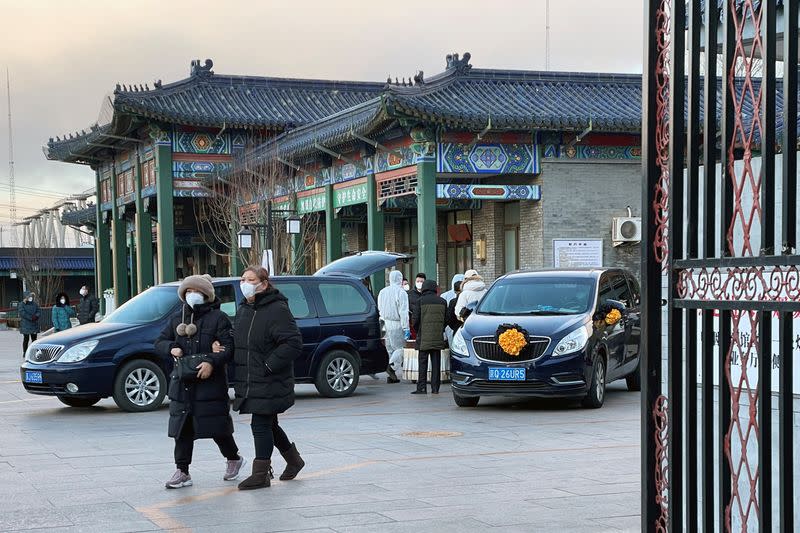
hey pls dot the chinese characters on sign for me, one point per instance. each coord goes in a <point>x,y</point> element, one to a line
<point>577,253</point>
<point>357,194</point>
<point>311,204</point>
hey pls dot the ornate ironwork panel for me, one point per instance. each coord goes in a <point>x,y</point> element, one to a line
<point>721,275</point>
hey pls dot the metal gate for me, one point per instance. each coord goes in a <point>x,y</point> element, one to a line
<point>720,272</point>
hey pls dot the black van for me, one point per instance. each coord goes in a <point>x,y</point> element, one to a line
<point>334,309</point>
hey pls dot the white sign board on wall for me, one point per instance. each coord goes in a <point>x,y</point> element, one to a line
<point>576,253</point>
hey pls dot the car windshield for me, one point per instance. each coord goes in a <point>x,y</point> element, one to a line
<point>538,296</point>
<point>149,306</point>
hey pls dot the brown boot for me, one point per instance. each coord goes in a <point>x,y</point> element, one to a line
<point>262,473</point>
<point>294,463</point>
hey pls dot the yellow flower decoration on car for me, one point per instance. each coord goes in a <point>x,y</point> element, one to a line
<point>512,341</point>
<point>613,317</point>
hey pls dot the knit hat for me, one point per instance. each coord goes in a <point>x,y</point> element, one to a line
<point>198,283</point>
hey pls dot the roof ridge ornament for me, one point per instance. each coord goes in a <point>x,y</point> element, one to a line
<point>460,65</point>
<point>202,71</point>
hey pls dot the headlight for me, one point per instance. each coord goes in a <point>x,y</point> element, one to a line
<point>79,352</point>
<point>573,342</point>
<point>459,345</point>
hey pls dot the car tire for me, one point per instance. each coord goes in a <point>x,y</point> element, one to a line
<point>73,401</point>
<point>597,388</point>
<point>466,401</point>
<point>129,396</point>
<point>337,376</point>
<point>634,379</point>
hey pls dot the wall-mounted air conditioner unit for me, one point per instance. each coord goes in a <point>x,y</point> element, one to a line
<point>626,230</point>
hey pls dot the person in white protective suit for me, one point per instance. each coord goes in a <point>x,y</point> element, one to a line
<point>393,309</point>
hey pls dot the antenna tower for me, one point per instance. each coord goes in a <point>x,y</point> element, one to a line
<point>11,180</point>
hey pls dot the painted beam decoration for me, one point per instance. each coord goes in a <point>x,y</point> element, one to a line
<point>487,158</point>
<point>352,195</point>
<point>488,192</point>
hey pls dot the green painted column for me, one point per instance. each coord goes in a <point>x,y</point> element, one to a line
<point>236,265</point>
<point>133,254</point>
<point>375,230</point>
<point>144,237</point>
<point>119,247</point>
<point>333,228</point>
<point>298,261</point>
<point>426,214</point>
<point>102,251</point>
<point>166,220</point>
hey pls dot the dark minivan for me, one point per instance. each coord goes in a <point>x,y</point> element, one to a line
<point>334,310</point>
<point>570,350</point>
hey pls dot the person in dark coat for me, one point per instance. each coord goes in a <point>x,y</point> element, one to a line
<point>266,341</point>
<point>200,409</point>
<point>87,307</point>
<point>429,317</point>
<point>452,321</point>
<point>413,296</point>
<point>62,312</point>
<point>29,314</point>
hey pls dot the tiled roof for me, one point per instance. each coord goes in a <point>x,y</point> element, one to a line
<point>208,99</point>
<point>51,263</point>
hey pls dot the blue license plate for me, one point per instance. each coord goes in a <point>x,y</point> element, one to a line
<point>33,376</point>
<point>506,374</point>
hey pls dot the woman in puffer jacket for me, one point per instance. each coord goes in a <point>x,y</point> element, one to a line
<point>267,341</point>
<point>472,290</point>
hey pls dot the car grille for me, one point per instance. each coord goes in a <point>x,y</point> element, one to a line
<point>511,387</point>
<point>486,348</point>
<point>43,353</point>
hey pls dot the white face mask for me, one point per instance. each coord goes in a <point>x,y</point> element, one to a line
<point>30,298</point>
<point>406,287</point>
<point>248,289</point>
<point>63,301</point>
<point>194,298</point>
<point>84,292</point>
<point>418,285</point>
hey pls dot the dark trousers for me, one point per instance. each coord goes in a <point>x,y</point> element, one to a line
<point>25,339</point>
<point>184,445</point>
<point>436,373</point>
<point>268,435</point>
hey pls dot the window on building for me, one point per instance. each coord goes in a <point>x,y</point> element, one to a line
<point>511,236</point>
<point>459,242</point>
<point>342,299</point>
<point>407,243</point>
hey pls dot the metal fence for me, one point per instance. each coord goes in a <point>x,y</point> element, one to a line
<point>720,265</point>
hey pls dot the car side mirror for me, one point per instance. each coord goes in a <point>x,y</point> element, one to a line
<point>471,306</point>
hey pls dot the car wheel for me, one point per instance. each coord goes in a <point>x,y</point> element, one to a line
<point>140,386</point>
<point>337,376</point>
<point>466,401</point>
<point>73,401</point>
<point>597,389</point>
<point>634,379</point>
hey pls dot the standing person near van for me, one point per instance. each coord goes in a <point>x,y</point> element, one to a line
<point>266,341</point>
<point>429,323</point>
<point>88,306</point>
<point>29,314</point>
<point>199,406</point>
<point>393,309</point>
<point>62,312</point>
<point>472,290</point>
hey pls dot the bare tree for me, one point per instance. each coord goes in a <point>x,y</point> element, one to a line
<point>37,269</point>
<point>241,198</point>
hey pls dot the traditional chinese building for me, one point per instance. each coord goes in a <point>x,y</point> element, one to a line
<point>471,168</point>
<point>153,160</point>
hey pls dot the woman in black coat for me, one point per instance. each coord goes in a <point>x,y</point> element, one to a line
<point>199,408</point>
<point>267,341</point>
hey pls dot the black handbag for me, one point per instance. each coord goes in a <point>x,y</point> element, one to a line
<point>186,366</point>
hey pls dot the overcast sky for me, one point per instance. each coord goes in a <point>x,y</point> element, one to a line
<point>65,56</point>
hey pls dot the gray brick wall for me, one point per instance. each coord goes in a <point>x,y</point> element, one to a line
<point>487,223</point>
<point>531,227</point>
<point>580,198</point>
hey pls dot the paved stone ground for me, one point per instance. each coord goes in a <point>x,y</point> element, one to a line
<point>380,461</point>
